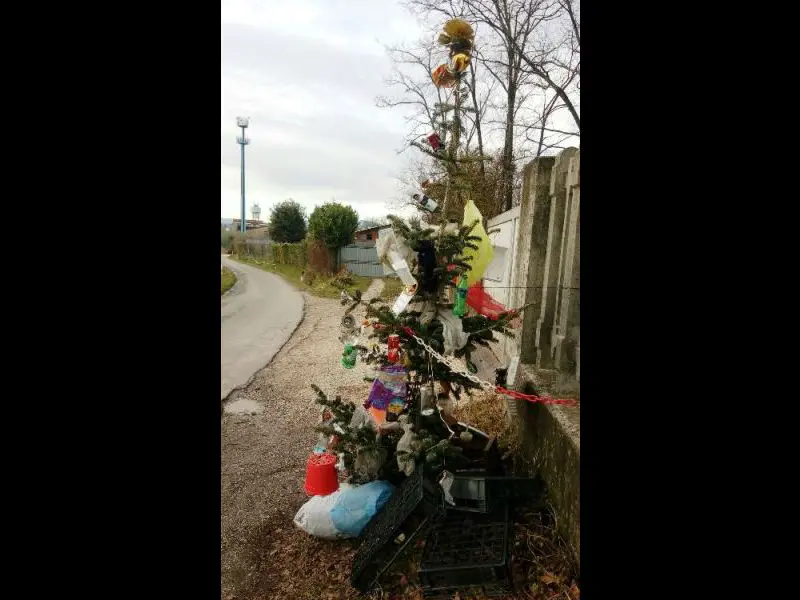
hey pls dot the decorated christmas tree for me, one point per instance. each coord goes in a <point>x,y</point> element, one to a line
<point>415,341</point>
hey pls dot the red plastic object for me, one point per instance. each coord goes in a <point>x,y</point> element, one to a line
<point>483,303</point>
<point>393,353</point>
<point>321,476</point>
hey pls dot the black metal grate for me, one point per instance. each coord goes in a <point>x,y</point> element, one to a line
<point>470,493</point>
<point>481,493</point>
<point>465,551</point>
<point>377,551</point>
<point>447,593</point>
<point>516,489</point>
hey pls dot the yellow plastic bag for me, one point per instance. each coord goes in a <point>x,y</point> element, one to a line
<point>485,252</point>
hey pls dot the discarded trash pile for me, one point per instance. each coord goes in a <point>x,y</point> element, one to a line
<point>460,506</point>
<point>400,467</point>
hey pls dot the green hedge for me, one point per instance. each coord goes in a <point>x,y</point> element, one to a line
<point>290,254</point>
<point>281,254</point>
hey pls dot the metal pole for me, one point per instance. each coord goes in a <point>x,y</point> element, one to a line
<point>243,122</point>
<point>244,222</point>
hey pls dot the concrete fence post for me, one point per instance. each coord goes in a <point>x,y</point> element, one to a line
<point>531,251</point>
<point>546,318</point>
<point>567,327</point>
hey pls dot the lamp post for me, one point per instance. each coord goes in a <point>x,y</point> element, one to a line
<point>243,140</point>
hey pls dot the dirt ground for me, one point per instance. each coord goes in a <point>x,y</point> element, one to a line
<point>267,433</point>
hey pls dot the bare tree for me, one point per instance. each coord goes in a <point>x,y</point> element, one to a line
<point>480,111</point>
<point>536,128</point>
<point>411,78</point>
<point>556,61</point>
<point>550,54</point>
<point>513,24</point>
<point>412,81</point>
<point>528,52</point>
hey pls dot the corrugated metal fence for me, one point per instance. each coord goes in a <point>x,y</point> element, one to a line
<point>361,260</point>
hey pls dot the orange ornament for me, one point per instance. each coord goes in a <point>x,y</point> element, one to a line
<point>442,77</point>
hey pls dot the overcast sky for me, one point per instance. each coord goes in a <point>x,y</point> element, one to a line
<point>307,72</point>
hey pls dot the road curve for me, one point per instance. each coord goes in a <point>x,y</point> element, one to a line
<point>259,314</point>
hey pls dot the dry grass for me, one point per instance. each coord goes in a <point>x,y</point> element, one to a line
<point>488,412</point>
<point>228,279</point>
<point>322,286</point>
<point>391,289</point>
<point>543,567</point>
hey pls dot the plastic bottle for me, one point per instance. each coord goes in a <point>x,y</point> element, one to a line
<point>460,302</point>
<point>349,357</point>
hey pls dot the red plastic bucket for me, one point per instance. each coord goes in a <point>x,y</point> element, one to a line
<point>321,476</point>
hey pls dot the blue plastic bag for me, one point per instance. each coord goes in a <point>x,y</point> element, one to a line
<point>355,506</point>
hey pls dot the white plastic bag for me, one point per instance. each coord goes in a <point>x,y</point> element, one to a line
<point>388,242</point>
<point>345,512</point>
<point>453,332</point>
<point>408,445</point>
<point>314,517</point>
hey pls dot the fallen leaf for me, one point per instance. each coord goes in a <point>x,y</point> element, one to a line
<point>574,592</point>
<point>548,578</point>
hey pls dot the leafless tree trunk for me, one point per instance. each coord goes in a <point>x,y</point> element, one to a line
<point>513,22</point>
<point>477,122</point>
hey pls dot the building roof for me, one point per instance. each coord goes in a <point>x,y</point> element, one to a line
<point>373,228</point>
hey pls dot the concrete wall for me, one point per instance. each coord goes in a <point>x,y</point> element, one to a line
<point>547,263</point>
<point>546,276</point>
<point>551,441</point>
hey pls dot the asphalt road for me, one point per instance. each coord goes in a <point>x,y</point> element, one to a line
<point>259,314</point>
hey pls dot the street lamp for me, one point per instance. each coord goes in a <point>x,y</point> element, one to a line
<point>243,140</point>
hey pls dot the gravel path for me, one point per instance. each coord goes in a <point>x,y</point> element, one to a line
<point>267,435</point>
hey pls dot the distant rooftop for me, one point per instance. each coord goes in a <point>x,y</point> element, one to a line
<point>374,227</point>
